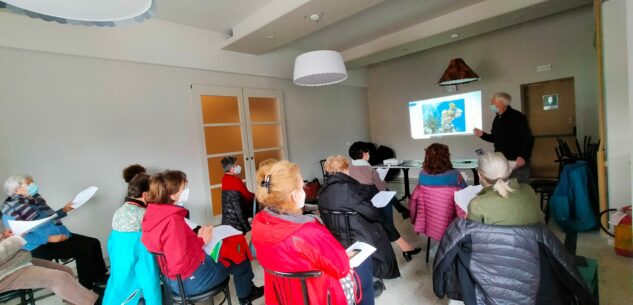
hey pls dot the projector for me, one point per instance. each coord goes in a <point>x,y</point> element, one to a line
<point>392,162</point>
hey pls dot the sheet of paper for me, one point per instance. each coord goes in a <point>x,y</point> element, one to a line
<point>84,196</point>
<point>616,217</point>
<point>19,227</point>
<point>513,164</point>
<point>360,252</point>
<point>219,233</point>
<point>463,197</point>
<point>382,172</point>
<point>191,224</point>
<point>381,199</point>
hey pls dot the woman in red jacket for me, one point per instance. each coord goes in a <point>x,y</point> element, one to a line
<point>287,241</point>
<point>165,231</point>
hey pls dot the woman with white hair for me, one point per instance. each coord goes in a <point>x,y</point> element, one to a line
<point>503,201</point>
<point>53,240</point>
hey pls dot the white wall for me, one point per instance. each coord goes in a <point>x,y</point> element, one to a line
<point>153,41</point>
<point>504,60</point>
<point>617,103</point>
<point>74,121</point>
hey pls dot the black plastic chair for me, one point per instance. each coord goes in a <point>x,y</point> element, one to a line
<point>345,215</point>
<point>181,298</point>
<point>544,188</point>
<point>322,162</point>
<point>25,295</point>
<point>286,279</point>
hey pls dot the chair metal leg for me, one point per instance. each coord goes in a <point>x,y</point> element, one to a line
<point>31,297</point>
<point>227,294</point>
<point>428,249</point>
<point>23,297</point>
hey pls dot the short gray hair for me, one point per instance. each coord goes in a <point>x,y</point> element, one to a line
<point>13,182</point>
<point>505,97</point>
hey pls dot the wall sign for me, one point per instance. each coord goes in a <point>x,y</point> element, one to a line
<point>550,102</point>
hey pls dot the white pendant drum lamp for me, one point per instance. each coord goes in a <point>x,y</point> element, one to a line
<point>319,68</point>
<point>83,12</point>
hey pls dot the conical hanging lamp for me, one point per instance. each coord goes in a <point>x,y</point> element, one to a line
<point>457,73</point>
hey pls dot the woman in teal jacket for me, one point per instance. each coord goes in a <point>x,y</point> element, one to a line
<point>132,267</point>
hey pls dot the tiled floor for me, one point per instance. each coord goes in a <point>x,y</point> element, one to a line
<point>416,287</point>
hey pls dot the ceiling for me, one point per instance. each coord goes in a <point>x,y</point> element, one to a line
<point>364,31</point>
<point>215,15</point>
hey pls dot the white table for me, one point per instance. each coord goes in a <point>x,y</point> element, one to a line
<point>458,164</point>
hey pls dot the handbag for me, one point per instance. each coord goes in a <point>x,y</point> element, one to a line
<point>312,189</point>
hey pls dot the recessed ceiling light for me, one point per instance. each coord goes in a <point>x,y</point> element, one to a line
<point>315,17</point>
<point>270,37</point>
<point>454,35</point>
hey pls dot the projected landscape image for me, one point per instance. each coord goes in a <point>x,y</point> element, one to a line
<point>444,117</point>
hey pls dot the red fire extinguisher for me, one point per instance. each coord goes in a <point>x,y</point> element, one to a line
<point>622,233</point>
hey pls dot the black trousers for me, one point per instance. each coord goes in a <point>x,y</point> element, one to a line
<point>87,254</point>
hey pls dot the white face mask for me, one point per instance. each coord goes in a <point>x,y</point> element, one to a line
<point>299,198</point>
<point>237,170</point>
<point>184,196</point>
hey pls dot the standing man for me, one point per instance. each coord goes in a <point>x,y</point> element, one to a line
<point>511,135</point>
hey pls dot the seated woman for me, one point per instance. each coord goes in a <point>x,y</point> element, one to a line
<point>237,200</point>
<point>437,169</point>
<point>52,240</point>
<point>287,241</point>
<point>343,193</point>
<point>21,271</point>
<point>362,172</point>
<point>503,201</point>
<point>165,231</point>
<point>132,267</point>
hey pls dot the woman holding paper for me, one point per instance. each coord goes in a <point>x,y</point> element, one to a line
<point>503,201</point>
<point>344,192</point>
<point>52,240</point>
<point>165,231</point>
<point>288,241</point>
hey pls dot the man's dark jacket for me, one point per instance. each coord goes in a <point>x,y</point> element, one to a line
<point>511,135</point>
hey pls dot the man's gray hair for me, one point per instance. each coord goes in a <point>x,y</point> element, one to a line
<point>228,163</point>
<point>505,97</point>
<point>13,182</point>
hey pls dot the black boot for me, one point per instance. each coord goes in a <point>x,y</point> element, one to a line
<point>256,293</point>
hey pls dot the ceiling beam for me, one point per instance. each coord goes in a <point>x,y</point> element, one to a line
<point>283,21</point>
<point>393,45</point>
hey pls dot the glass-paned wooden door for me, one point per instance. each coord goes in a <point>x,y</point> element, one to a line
<point>224,135</point>
<point>265,121</point>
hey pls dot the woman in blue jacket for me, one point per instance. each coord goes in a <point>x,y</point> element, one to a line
<point>53,240</point>
<point>132,267</point>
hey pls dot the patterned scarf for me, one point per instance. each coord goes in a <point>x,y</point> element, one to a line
<point>27,208</point>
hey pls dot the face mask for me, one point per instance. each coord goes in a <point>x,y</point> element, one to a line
<point>494,109</point>
<point>237,170</point>
<point>300,198</point>
<point>184,196</point>
<point>32,189</point>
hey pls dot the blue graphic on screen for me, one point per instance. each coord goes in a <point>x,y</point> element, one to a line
<point>444,117</point>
